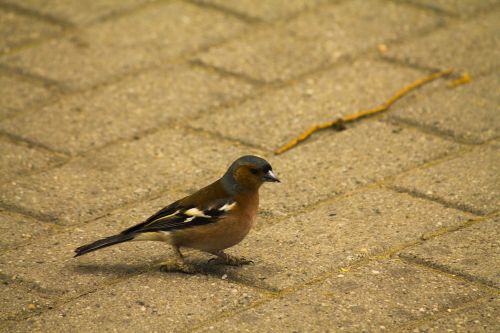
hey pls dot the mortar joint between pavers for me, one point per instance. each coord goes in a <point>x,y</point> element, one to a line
<point>384,182</point>
<point>424,6</point>
<point>125,12</point>
<point>447,230</point>
<point>32,214</point>
<point>406,64</point>
<point>435,131</point>
<point>21,141</point>
<point>226,11</point>
<point>225,73</point>
<point>33,78</point>
<point>277,295</point>
<point>60,228</point>
<point>428,129</point>
<point>28,284</point>
<point>224,138</point>
<point>483,284</point>
<point>418,194</point>
<point>35,14</point>
<point>413,324</point>
<point>113,78</point>
<point>227,314</point>
<point>61,300</point>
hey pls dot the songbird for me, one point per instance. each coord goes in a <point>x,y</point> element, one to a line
<point>212,219</point>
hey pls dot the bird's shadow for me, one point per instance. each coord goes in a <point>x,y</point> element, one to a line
<point>110,269</point>
<point>237,274</point>
<point>205,267</point>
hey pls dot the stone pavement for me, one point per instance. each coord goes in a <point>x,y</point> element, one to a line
<point>112,109</point>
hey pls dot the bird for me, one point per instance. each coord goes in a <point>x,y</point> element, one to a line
<point>212,219</point>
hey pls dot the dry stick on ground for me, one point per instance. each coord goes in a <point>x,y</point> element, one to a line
<point>339,123</point>
<point>463,79</point>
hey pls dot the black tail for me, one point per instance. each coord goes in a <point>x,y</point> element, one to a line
<point>116,239</point>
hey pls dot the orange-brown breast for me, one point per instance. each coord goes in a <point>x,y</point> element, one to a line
<point>227,232</point>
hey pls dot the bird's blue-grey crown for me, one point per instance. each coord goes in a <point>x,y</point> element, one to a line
<point>256,163</point>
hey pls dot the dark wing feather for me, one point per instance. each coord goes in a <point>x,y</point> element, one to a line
<point>165,211</point>
<point>177,216</point>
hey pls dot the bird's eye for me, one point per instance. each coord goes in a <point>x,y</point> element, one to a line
<point>254,171</point>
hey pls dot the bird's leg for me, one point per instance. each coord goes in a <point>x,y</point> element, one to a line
<point>177,264</point>
<point>231,260</point>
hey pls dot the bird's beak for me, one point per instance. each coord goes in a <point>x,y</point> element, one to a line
<point>270,177</point>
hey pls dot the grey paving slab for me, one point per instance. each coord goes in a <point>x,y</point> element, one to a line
<point>473,252</point>
<point>334,235</point>
<point>457,7</point>
<point>149,36</point>
<point>482,317</point>
<point>18,230</point>
<point>78,12</point>
<point>472,46</point>
<point>88,186</point>
<point>469,113</point>
<point>18,95</point>
<point>469,182</point>
<point>123,110</point>
<point>16,30</point>
<point>267,10</point>
<point>17,301</point>
<point>317,39</point>
<point>19,159</point>
<point>47,263</point>
<point>150,302</point>
<point>337,162</point>
<point>379,296</point>
<point>46,268</point>
<point>278,116</point>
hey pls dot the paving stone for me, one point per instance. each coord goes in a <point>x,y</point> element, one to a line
<point>276,117</point>
<point>469,182</point>
<point>267,10</point>
<point>468,113</point>
<point>18,95</point>
<point>457,7</point>
<point>112,181</point>
<point>78,12</point>
<point>317,39</point>
<point>332,163</point>
<point>47,264</point>
<point>17,301</point>
<point>88,186</point>
<point>120,111</point>
<point>152,302</point>
<point>158,32</point>
<point>18,159</point>
<point>472,252</point>
<point>334,235</point>
<point>472,46</point>
<point>482,317</point>
<point>16,30</point>
<point>379,296</point>
<point>17,229</point>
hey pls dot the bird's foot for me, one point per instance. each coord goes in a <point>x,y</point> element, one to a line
<point>177,266</point>
<point>237,261</point>
<point>230,260</point>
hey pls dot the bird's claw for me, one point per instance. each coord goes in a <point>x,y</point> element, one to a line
<point>232,260</point>
<point>177,266</point>
<point>239,261</point>
<point>212,259</point>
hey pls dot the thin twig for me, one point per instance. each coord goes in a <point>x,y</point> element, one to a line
<point>339,123</point>
<point>463,79</point>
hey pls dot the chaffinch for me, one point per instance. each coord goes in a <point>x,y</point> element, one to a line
<point>212,219</point>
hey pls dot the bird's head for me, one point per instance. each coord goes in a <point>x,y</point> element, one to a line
<point>249,172</point>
